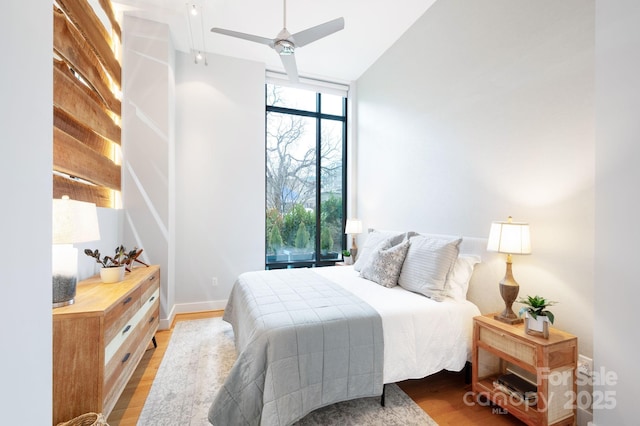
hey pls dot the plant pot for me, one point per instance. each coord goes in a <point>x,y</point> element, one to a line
<point>112,275</point>
<point>537,326</point>
<point>348,260</point>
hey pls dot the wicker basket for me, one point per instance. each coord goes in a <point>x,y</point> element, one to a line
<point>88,419</point>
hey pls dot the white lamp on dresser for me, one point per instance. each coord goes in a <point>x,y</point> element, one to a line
<point>73,222</point>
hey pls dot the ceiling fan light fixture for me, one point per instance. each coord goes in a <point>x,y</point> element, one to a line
<point>285,47</point>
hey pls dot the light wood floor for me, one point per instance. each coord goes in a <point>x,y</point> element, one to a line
<point>444,396</point>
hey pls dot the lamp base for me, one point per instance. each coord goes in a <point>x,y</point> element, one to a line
<point>61,304</point>
<point>507,319</point>
<point>65,274</point>
<point>64,290</point>
<point>509,290</point>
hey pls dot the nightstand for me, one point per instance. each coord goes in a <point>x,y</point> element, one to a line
<point>550,364</point>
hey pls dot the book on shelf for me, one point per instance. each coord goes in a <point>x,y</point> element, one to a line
<point>517,387</point>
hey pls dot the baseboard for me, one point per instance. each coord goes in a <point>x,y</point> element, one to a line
<point>190,308</point>
<point>585,417</point>
<point>165,324</point>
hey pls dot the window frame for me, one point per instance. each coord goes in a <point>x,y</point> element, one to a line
<point>319,116</point>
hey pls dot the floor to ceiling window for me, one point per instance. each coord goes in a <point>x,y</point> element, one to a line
<point>305,176</point>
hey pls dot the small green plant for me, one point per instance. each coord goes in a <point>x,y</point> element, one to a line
<point>536,306</point>
<point>346,253</point>
<point>122,257</point>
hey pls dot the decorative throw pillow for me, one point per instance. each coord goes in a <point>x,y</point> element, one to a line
<point>427,264</point>
<point>384,264</point>
<point>374,238</point>
<point>459,277</point>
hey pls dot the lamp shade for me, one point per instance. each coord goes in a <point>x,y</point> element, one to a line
<point>74,221</point>
<point>509,237</point>
<point>353,226</point>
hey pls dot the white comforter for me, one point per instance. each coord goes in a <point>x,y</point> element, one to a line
<point>421,336</point>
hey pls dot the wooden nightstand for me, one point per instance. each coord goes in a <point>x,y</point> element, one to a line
<point>500,348</point>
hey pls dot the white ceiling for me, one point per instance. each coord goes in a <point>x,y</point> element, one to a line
<point>371,27</point>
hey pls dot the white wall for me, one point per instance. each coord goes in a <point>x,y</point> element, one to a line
<point>193,177</point>
<point>220,177</point>
<point>484,110</point>
<point>26,141</point>
<point>148,149</point>
<point>617,210</point>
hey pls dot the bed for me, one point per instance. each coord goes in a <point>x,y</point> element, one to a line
<point>311,337</point>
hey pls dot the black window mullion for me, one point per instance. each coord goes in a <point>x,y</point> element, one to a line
<point>345,161</point>
<point>318,177</point>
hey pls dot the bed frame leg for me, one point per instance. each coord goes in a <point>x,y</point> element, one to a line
<point>467,373</point>
<point>384,387</point>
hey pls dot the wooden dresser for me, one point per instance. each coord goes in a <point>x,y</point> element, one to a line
<point>99,340</point>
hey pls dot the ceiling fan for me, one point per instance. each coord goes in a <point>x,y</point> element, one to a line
<point>285,43</point>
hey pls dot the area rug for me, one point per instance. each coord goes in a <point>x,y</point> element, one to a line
<point>199,357</point>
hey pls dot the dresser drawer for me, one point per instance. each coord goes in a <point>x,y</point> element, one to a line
<point>509,345</point>
<point>149,286</point>
<point>122,355</point>
<point>117,317</point>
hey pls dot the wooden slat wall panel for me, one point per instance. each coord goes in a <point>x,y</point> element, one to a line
<point>99,195</point>
<point>108,9</point>
<point>70,95</point>
<point>77,130</point>
<point>84,18</point>
<point>74,158</point>
<point>86,110</point>
<point>74,49</point>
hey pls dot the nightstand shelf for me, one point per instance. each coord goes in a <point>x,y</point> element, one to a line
<point>550,364</point>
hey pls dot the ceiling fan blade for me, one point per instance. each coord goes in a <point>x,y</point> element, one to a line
<point>289,62</point>
<point>250,37</point>
<point>315,33</point>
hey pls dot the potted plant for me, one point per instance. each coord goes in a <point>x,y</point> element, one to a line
<point>114,267</point>
<point>537,316</point>
<point>346,255</point>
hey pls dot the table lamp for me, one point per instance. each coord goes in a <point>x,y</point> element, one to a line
<point>353,227</point>
<point>511,238</point>
<point>73,222</point>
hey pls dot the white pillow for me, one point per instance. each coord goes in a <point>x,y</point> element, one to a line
<point>427,265</point>
<point>374,238</point>
<point>384,264</point>
<point>458,280</point>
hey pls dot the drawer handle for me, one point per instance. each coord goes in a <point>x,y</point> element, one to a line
<point>152,299</point>
<point>127,300</point>
<point>152,277</point>
<point>127,328</point>
<point>126,357</point>
<point>152,319</point>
